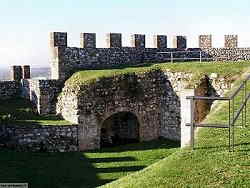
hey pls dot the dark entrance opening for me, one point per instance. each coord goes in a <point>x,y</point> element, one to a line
<point>204,89</point>
<point>119,129</point>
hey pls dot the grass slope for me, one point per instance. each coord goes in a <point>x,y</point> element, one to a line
<point>224,69</point>
<point>21,113</point>
<point>210,164</point>
<point>88,169</point>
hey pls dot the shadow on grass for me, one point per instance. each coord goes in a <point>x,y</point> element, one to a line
<point>53,169</point>
<point>142,146</point>
<point>120,169</point>
<point>111,159</point>
<point>66,170</point>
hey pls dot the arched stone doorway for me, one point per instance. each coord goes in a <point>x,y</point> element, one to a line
<point>119,129</point>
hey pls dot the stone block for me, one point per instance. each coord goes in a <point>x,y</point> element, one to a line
<point>180,42</point>
<point>58,39</point>
<point>138,41</point>
<point>231,41</point>
<point>88,40</point>
<point>160,41</point>
<point>114,40</point>
<point>16,73</point>
<point>205,41</point>
<point>26,71</point>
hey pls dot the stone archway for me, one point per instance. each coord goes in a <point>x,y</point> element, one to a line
<point>118,129</point>
<point>147,97</point>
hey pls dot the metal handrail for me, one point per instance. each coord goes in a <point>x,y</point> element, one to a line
<point>231,122</point>
<point>200,58</point>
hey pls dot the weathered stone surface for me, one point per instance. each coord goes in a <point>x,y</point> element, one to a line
<point>114,40</point>
<point>88,40</point>
<point>231,41</point>
<point>39,138</point>
<point>138,41</point>
<point>180,42</point>
<point>16,73</point>
<point>66,60</point>
<point>160,41</point>
<point>26,71</point>
<point>149,96</point>
<point>226,54</point>
<point>58,39</point>
<point>205,41</point>
<point>152,97</point>
<point>9,89</point>
<point>43,94</point>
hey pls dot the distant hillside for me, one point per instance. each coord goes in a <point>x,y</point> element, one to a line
<point>35,72</point>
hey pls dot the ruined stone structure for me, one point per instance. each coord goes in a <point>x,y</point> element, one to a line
<point>148,104</point>
<point>149,97</point>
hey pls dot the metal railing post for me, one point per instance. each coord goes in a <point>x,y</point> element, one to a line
<point>172,60</point>
<point>200,56</point>
<point>229,125</point>
<point>242,100</point>
<point>233,116</point>
<point>233,127</point>
<point>245,110</point>
<point>192,122</point>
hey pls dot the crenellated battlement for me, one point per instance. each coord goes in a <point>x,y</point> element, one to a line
<point>18,72</point>
<point>66,60</point>
<point>88,40</point>
<point>114,40</point>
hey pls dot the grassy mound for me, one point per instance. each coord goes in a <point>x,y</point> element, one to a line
<point>210,164</point>
<point>224,69</point>
<point>19,111</point>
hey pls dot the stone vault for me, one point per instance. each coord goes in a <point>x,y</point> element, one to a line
<point>148,96</point>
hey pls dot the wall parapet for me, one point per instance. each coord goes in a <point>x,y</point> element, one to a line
<point>66,60</point>
<point>9,89</point>
<point>39,138</point>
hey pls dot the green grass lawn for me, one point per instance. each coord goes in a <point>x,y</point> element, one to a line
<point>88,169</point>
<point>19,111</point>
<point>223,69</point>
<point>209,165</point>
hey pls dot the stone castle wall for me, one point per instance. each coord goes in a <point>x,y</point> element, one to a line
<point>152,97</point>
<point>39,138</point>
<point>9,89</point>
<point>42,93</point>
<point>67,60</point>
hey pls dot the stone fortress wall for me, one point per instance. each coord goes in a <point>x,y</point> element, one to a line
<point>39,138</point>
<point>67,60</point>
